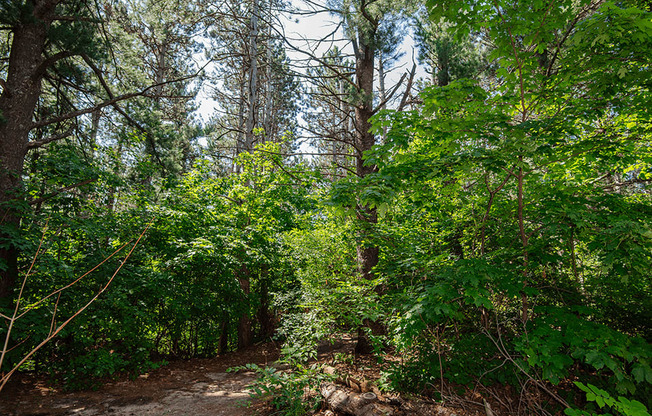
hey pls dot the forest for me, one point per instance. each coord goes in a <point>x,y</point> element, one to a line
<point>463,184</point>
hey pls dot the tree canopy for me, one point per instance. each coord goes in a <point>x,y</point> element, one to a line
<point>490,222</point>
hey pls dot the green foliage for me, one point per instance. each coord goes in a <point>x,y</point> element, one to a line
<point>329,298</point>
<point>603,399</point>
<point>520,211</point>
<point>514,221</point>
<point>344,358</point>
<point>180,294</point>
<point>294,392</point>
<point>300,331</point>
<point>558,338</point>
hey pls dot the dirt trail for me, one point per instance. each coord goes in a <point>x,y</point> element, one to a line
<point>199,387</point>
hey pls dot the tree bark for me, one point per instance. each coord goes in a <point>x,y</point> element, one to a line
<point>365,140</point>
<point>253,78</point>
<point>382,92</point>
<point>343,402</point>
<point>244,324</point>
<point>268,117</point>
<point>240,141</point>
<point>17,104</point>
<point>367,254</point>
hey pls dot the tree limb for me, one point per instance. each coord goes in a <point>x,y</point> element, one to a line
<point>48,62</point>
<point>106,103</point>
<point>408,87</point>
<point>60,190</point>
<point>390,95</point>
<point>38,143</point>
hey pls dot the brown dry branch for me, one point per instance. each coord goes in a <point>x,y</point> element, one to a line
<point>14,317</point>
<point>540,384</point>
<point>54,330</point>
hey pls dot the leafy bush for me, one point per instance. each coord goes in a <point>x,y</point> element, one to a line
<point>211,258</point>
<point>293,392</point>
<point>603,399</point>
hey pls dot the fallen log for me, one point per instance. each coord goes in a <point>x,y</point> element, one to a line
<point>353,404</point>
<point>362,386</point>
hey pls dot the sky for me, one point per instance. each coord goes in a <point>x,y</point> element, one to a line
<point>300,29</point>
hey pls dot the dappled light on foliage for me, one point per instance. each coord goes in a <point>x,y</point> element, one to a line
<point>480,237</point>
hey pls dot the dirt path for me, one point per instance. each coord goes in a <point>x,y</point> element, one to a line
<point>199,387</point>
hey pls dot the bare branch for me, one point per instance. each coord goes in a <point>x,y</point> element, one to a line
<point>5,378</point>
<point>390,95</point>
<point>38,143</point>
<point>110,102</point>
<point>408,88</point>
<point>61,190</point>
<point>48,62</point>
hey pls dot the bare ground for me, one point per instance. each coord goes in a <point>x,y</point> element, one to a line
<point>203,387</point>
<point>198,387</point>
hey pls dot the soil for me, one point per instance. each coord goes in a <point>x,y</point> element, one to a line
<point>353,370</point>
<point>197,387</point>
<point>203,387</point>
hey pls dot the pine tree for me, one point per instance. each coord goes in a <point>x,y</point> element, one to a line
<point>256,91</point>
<point>60,68</point>
<point>446,58</point>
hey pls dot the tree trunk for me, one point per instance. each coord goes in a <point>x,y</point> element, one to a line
<point>268,117</point>
<point>240,141</point>
<point>161,70</point>
<point>364,69</point>
<point>253,78</point>
<point>244,324</point>
<point>367,255</point>
<point>382,91</point>
<point>265,318</point>
<point>365,140</point>
<point>224,336</point>
<point>17,104</point>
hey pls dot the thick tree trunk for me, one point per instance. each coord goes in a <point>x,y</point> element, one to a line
<point>367,255</point>
<point>365,140</point>
<point>161,70</point>
<point>364,69</point>
<point>17,103</point>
